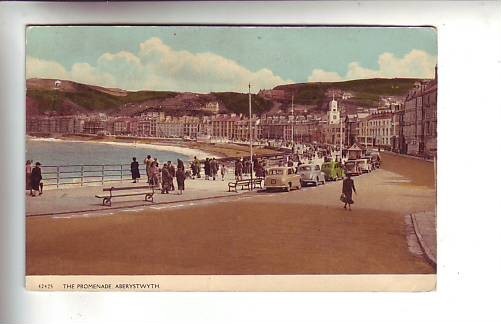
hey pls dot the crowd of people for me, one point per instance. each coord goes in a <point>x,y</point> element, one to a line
<point>211,168</point>
<point>161,177</point>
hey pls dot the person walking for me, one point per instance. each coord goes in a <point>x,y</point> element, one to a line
<point>197,167</point>
<point>28,170</point>
<point>148,161</point>
<point>36,179</point>
<point>348,189</point>
<point>154,172</point>
<point>134,170</point>
<point>238,169</point>
<point>180,176</point>
<point>172,171</point>
<point>193,168</point>
<point>166,179</point>
<point>223,172</point>
<point>180,164</point>
<point>213,168</point>
<point>207,169</point>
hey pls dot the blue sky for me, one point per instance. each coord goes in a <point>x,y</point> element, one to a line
<point>203,59</point>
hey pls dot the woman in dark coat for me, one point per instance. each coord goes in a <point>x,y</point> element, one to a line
<point>134,169</point>
<point>180,176</point>
<point>207,169</point>
<point>166,179</point>
<point>172,170</point>
<point>180,164</point>
<point>28,169</point>
<point>36,178</point>
<point>348,189</point>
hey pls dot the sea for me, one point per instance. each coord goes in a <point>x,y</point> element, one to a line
<point>64,162</point>
<point>58,152</point>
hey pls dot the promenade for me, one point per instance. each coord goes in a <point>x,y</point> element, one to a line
<point>78,199</point>
<point>300,232</point>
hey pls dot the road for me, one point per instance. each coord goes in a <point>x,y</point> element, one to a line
<point>300,232</point>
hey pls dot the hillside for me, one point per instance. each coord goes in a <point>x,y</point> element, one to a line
<point>68,97</point>
<point>366,92</point>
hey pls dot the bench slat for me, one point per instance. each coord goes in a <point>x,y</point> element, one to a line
<point>148,194</point>
<point>127,188</point>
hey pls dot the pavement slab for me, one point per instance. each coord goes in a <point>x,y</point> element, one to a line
<point>81,199</point>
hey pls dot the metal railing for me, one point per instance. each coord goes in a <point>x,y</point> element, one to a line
<point>59,175</point>
<point>98,174</point>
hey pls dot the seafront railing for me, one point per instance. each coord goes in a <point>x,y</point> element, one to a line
<point>99,174</point>
<point>59,175</point>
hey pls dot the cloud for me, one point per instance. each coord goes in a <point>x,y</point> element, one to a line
<point>156,66</point>
<point>86,73</point>
<point>37,68</point>
<point>319,75</point>
<point>415,64</point>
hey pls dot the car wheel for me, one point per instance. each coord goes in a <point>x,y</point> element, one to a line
<point>299,186</point>
<point>289,187</point>
<point>316,182</point>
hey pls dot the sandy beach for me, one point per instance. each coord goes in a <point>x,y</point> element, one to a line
<point>188,148</point>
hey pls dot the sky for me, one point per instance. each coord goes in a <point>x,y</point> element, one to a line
<point>208,59</point>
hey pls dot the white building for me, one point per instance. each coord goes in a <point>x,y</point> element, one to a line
<point>333,115</point>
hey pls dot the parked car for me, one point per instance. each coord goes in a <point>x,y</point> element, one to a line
<point>365,165</point>
<point>311,173</point>
<point>282,178</point>
<point>351,167</point>
<point>376,159</point>
<point>333,171</point>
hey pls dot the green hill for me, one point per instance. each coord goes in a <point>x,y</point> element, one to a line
<point>366,91</point>
<point>239,102</point>
<point>71,97</point>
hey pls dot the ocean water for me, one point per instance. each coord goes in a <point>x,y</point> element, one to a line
<point>87,163</point>
<point>86,153</point>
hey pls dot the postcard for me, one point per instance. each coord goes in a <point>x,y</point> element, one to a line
<point>231,158</point>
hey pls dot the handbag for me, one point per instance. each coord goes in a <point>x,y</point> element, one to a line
<point>343,198</point>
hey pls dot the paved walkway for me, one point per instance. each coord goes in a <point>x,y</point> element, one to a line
<point>425,225</point>
<point>79,199</point>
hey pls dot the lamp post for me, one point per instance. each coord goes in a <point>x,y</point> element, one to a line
<point>250,137</point>
<point>341,140</point>
<point>292,112</point>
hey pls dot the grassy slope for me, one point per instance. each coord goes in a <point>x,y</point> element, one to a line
<point>366,92</point>
<point>239,102</point>
<point>89,99</point>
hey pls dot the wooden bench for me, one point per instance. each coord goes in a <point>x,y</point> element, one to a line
<point>147,191</point>
<point>245,183</point>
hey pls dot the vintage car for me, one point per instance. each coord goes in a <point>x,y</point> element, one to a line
<point>282,178</point>
<point>375,159</point>
<point>351,167</point>
<point>310,173</point>
<point>333,171</point>
<point>365,165</point>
